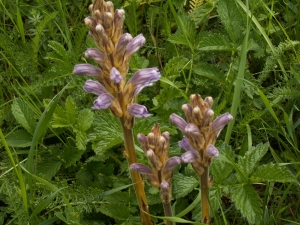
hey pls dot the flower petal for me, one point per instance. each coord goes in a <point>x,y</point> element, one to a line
<point>103,101</point>
<point>87,70</point>
<point>138,111</point>
<point>94,87</point>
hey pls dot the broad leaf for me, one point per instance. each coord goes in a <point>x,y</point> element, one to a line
<point>24,115</point>
<point>49,167</point>
<point>251,158</point>
<point>65,117</point>
<point>220,170</point>
<point>273,172</point>
<point>116,211</point>
<point>81,140</point>
<point>19,138</point>
<point>209,71</point>
<point>84,120</point>
<point>248,202</point>
<point>71,155</point>
<point>183,185</point>
<point>216,42</point>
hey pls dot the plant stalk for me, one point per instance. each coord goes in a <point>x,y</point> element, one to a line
<point>168,212</point>
<point>136,177</point>
<point>205,196</point>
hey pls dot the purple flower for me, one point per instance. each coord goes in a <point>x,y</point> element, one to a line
<point>123,42</point>
<point>191,129</point>
<point>185,144</point>
<point>103,101</point>
<point>94,87</point>
<point>189,156</point>
<point>115,75</point>
<point>95,54</point>
<point>138,111</point>
<point>145,76</point>
<point>142,139</point>
<point>220,122</point>
<point>178,121</point>
<point>212,151</point>
<point>140,168</point>
<point>135,44</point>
<point>165,185</point>
<point>87,70</point>
<point>209,100</point>
<point>172,163</point>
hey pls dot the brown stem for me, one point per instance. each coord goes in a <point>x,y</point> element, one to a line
<point>136,177</point>
<point>205,196</point>
<point>168,212</point>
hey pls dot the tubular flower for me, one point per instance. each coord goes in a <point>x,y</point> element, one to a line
<point>138,111</point>
<point>87,70</point>
<point>103,101</point>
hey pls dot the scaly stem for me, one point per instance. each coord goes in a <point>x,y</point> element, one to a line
<point>205,196</point>
<point>136,177</point>
<point>168,212</point>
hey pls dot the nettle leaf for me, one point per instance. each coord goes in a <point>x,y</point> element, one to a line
<point>49,167</point>
<point>116,211</point>
<point>19,138</point>
<point>274,173</point>
<point>183,185</point>
<point>247,201</point>
<point>65,117</point>
<point>220,170</point>
<point>251,158</point>
<point>174,67</point>
<point>209,71</point>
<point>84,120</point>
<point>179,39</point>
<point>24,115</point>
<point>81,139</point>
<point>231,18</point>
<point>71,154</point>
<point>216,42</point>
<point>84,177</point>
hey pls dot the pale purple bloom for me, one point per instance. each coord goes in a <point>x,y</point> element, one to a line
<point>115,75</point>
<point>185,144</point>
<point>103,101</point>
<point>189,156</point>
<point>119,17</point>
<point>135,44</point>
<point>95,54</point>
<point>178,121</point>
<point>172,163</point>
<point>212,151</point>
<point>86,70</point>
<point>142,139</point>
<point>192,129</point>
<point>138,111</point>
<point>166,135</point>
<point>123,42</point>
<point>145,76</point>
<point>165,185</point>
<point>220,122</point>
<point>94,87</point>
<point>141,168</point>
<point>209,100</point>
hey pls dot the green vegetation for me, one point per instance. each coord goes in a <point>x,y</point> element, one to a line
<point>63,163</point>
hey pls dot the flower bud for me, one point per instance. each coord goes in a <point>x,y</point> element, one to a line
<point>143,141</point>
<point>189,156</point>
<point>94,87</point>
<point>138,111</point>
<point>209,100</point>
<point>178,121</point>
<point>103,101</point>
<point>212,151</point>
<point>170,165</point>
<point>208,116</point>
<point>220,122</point>
<point>153,160</point>
<point>185,144</point>
<point>165,192</point>
<point>90,22</point>
<point>191,129</point>
<point>87,70</point>
<point>134,45</point>
<point>140,168</point>
<point>95,54</point>
<point>115,76</point>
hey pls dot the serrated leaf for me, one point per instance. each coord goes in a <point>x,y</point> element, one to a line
<point>116,211</point>
<point>71,155</point>
<point>273,173</point>
<point>24,115</point>
<point>183,185</point>
<point>174,67</point>
<point>19,138</point>
<point>81,139</point>
<point>251,158</point>
<point>65,117</point>
<point>220,170</point>
<point>71,110</point>
<point>247,201</point>
<point>49,168</point>
<point>84,120</point>
<point>59,49</point>
<point>84,178</point>
<point>209,71</point>
<point>117,198</point>
<point>178,39</point>
<point>231,18</point>
<point>216,42</point>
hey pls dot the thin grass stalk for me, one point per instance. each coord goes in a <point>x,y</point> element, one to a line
<point>204,183</point>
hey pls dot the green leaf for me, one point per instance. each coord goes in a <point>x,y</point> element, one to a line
<point>65,117</point>
<point>174,67</point>
<point>24,115</point>
<point>216,42</point>
<point>251,158</point>
<point>178,39</point>
<point>209,71</point>
<point>220,170</point>
<point>84,120</point>
<point>81,139</point>
<point>71,155</point>
<point>183,185</point>
<point>116,211</point>
<point>84,178</point>
<point>231,18</point>
<point>274,173</point>
<point>19,138</point>
<point>49,167</point>
<point>248,202</point>
<point>59,49</point>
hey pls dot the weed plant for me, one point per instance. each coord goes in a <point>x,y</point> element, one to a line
<point>63,163</point>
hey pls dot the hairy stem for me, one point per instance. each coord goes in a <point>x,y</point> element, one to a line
<point>168,212</point>
<point>136,177</point>
<point>205,196</point>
